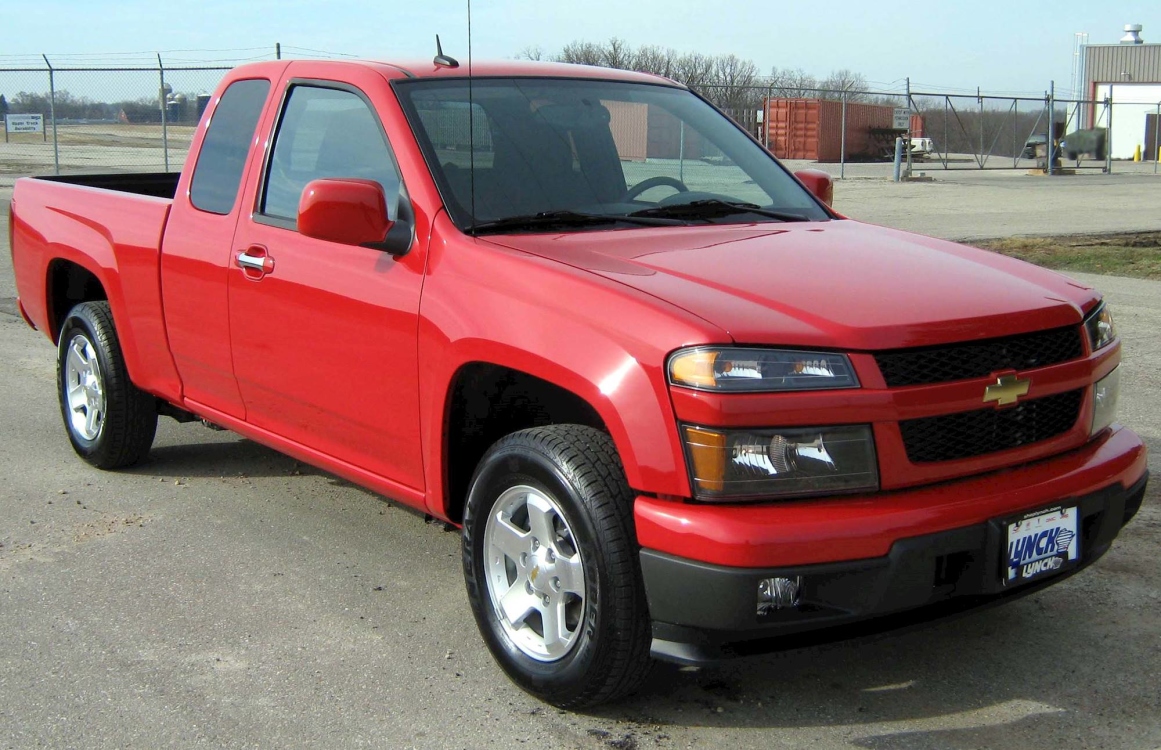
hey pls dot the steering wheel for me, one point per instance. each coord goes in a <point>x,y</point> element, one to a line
<point>658,181</point>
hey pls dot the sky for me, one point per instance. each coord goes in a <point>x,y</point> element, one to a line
<point>1002,47</point>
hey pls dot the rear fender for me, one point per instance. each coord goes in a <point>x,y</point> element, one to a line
<point>116,239</point>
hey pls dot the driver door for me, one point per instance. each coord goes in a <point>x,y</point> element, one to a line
<point>324,334</point>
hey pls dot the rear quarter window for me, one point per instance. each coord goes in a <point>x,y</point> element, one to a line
<point>218,172</point>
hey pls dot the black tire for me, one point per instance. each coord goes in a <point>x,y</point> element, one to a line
<point>577,468</point>
<point>129,421</point>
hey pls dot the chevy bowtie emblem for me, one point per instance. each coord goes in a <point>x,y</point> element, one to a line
<point>1007,390</point>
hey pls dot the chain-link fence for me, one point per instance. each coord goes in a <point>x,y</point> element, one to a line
<point>944,130</point>
<point>90,119</point>
<point>65,119</point>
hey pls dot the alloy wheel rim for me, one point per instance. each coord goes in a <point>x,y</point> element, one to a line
<point>84,388</point>
<point>535,574</point>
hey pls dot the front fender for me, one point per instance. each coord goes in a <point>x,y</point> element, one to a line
<point>596,338</point>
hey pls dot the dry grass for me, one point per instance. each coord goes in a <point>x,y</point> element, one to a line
<point>1136,254</point>
<point>108,134</point>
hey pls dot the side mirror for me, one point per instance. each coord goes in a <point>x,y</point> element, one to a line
<point>349,211</point>
<point>819,183</point>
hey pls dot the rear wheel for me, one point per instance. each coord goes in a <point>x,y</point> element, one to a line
<point>109,421</point>
<point>550,559</point>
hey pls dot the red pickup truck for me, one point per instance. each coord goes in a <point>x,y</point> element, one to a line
<point>678,405</point>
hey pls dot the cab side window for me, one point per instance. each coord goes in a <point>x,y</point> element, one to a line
<point>326,132</point>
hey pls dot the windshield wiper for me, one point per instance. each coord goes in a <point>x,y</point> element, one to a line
<point>712,208</point>
<point>550,219</point>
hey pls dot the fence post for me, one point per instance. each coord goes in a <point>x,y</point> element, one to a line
<point>1017,149</point>
<point>843,141</point>
<point>946,143</point>
<point>908,127</point>
<point>162,100</point>
<point>278,50</point>
<point>766,116</point>
<point>1109,131</point>
<point>1051,141</point>
<point>979,159</point>
<point>52,115</point>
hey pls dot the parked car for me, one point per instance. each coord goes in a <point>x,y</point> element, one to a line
<point>921,148</point>
<point>679,408</point>
<point>1035,143</point>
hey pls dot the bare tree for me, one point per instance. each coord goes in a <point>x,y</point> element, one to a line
<point>731,70</point>
<point>848,81</point>
<point>618,54</point>
<point>735,83</point>
<point>532,52</point>
<point>694,70</point>
<point>792,84</point>
<point>731,82</point>
<point>654,59</point>
<point>582,53</point>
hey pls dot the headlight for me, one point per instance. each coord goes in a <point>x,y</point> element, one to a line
<point>732,369</point>
<point>739,464</point>
<point>1104,401</point>
<point>1100,327</point>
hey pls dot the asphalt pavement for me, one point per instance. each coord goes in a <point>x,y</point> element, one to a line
<point>224,595</point>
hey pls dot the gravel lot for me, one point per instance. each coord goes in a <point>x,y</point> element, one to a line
<point>223,595</point>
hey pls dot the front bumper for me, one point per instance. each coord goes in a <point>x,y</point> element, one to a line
<point>703,612</point>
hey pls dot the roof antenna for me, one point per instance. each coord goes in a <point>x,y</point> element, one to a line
<point>441,59</point>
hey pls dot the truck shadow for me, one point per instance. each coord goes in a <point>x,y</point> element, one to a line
<point>1053,662</point>
<point>195,451</point>
<point>1068,662</point>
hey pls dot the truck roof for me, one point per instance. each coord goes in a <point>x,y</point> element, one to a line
<point>481,69</point>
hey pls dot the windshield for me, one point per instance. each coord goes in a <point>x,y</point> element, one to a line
<point>538,154</point>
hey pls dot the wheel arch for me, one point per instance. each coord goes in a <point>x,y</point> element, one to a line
<point>486,399</point>
<point>68,284</point>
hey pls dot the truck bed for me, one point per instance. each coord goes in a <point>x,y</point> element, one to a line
<point>153,184</point>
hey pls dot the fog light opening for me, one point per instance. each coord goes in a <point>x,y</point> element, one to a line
<point>778,593</point>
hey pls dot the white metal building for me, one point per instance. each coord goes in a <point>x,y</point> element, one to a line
<point>1128,74</point>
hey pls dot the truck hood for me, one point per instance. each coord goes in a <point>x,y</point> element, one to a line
<point>839,284</point>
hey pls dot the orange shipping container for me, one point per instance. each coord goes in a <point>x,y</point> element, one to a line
<point>812,129</point>
<point>630,125</point>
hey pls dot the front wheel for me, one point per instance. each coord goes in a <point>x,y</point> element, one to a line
<point>550,559</point>
<point>110,422</point>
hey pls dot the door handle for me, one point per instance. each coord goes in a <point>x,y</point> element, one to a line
<point>255,261</point>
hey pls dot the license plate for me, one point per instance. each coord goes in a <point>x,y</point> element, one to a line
<point>1041,544</point>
